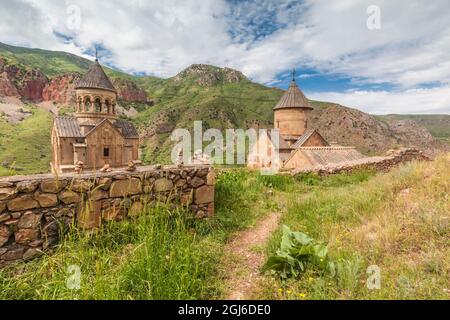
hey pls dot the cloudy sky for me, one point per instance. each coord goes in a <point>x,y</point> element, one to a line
<point>380,56</point>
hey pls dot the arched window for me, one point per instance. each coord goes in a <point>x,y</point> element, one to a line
<point>98,105</point>
<point>113,107</point>
<point>80,105</point>
<point>108,106</point>
<point>87,104</point>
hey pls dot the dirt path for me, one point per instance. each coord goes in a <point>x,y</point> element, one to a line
<point>246,256</point>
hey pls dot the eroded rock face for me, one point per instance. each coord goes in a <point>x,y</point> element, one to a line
<point>61,89</point>
<point>128,91</point>
<point>7,87</point>
<point>351,127</point>
<point>16,80</point>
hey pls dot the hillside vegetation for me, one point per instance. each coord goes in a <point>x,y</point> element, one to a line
<point>437,124</point>
<point>25,147</point>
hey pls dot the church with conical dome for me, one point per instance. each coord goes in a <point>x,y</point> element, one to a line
<point>299,146</point>
<point>94,137</point>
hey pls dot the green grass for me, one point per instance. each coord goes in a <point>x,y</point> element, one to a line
<point>372,220</point>
<point>364,218</point>
<point>25,147</point>
<point>162,254</point>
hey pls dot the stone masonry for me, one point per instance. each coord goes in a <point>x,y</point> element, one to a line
<point>35,211</point>
<point>393,158</point>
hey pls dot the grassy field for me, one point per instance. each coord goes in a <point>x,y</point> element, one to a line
<point>398,221</point>
<point>25,147</point>
<point>160,255</point>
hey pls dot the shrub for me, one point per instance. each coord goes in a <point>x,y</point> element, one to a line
<point>297,253</point>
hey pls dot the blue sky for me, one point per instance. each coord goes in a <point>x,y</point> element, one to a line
<point>402,66</point>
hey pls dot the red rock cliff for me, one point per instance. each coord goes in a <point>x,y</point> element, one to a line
<point>61,88</point>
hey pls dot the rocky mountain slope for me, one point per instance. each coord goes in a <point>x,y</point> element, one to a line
<point>220,97</point>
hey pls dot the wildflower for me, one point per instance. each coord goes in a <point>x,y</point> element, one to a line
<point>280,290</point>
<point>289,291</point>
<point>302,295</point>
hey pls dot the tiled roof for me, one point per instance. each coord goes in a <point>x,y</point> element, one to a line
<point>293,98</point>
<point>322,156</point>
<point>128,129</point>
<point>68,127</point>
<point>95,78</point>
<point>308,133</point>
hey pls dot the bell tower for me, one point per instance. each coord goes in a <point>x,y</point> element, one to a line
<point>290,114</point>
<point>96,98</point>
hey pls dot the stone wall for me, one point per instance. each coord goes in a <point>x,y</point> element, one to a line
<point>35,211</point>
<point>392,159</point>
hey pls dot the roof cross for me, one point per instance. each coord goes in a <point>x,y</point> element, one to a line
<point>96,54</point>
<point>293,74</point>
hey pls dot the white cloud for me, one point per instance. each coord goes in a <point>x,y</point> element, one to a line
<point>419,101</point>
<point>261,38</point>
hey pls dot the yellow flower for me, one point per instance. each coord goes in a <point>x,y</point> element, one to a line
<point>280,290</point>
<point>289,291</point>
<point>302,295</point>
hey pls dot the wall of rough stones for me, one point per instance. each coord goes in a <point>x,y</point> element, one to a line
<point>393,158</point>
<point>35,211</point>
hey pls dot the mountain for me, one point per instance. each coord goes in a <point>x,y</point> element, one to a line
<point>437,124</point>
<point>33,80</point>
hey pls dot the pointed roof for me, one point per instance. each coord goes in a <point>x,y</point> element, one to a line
<point>308,133</point>
<point>293,98</point>
<point>95,78</point>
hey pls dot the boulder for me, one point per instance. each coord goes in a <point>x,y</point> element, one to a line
<point>30,220</point>
<point>197,182</point>
<point>46,200</point>
<point>204,194</point>
<point>27,186</point>
<point>15,252</point>
<point>5,233</point>
<point>80,185</point>
<point>25,236</point>
<point>211,178</point>
<point>7,193</point>
<point>31,254</point>
<point>53,186</point>
<point>123,188</point>
<point>98,194</point>
<point>104,183</point>
<point>163,184</point>
<point>69,197</point>
<point>22,203</point>
<point>2,207</point>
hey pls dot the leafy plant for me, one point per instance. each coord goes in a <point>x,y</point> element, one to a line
<point>297,253</point>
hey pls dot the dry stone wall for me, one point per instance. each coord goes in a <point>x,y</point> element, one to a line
<point>35,211</point>
<point>393,158</point>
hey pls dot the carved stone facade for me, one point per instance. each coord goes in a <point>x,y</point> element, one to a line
<point>95,137</point>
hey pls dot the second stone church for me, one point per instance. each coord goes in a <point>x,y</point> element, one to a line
<point>94,136</point>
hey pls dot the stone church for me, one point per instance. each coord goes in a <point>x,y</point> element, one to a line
<point>299,146</point>
<point>94,136</point>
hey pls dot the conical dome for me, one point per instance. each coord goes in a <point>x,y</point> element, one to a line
<point>95,78</point>
<point>293,98</point>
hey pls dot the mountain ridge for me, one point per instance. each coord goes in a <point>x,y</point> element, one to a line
<point>220,97</point>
